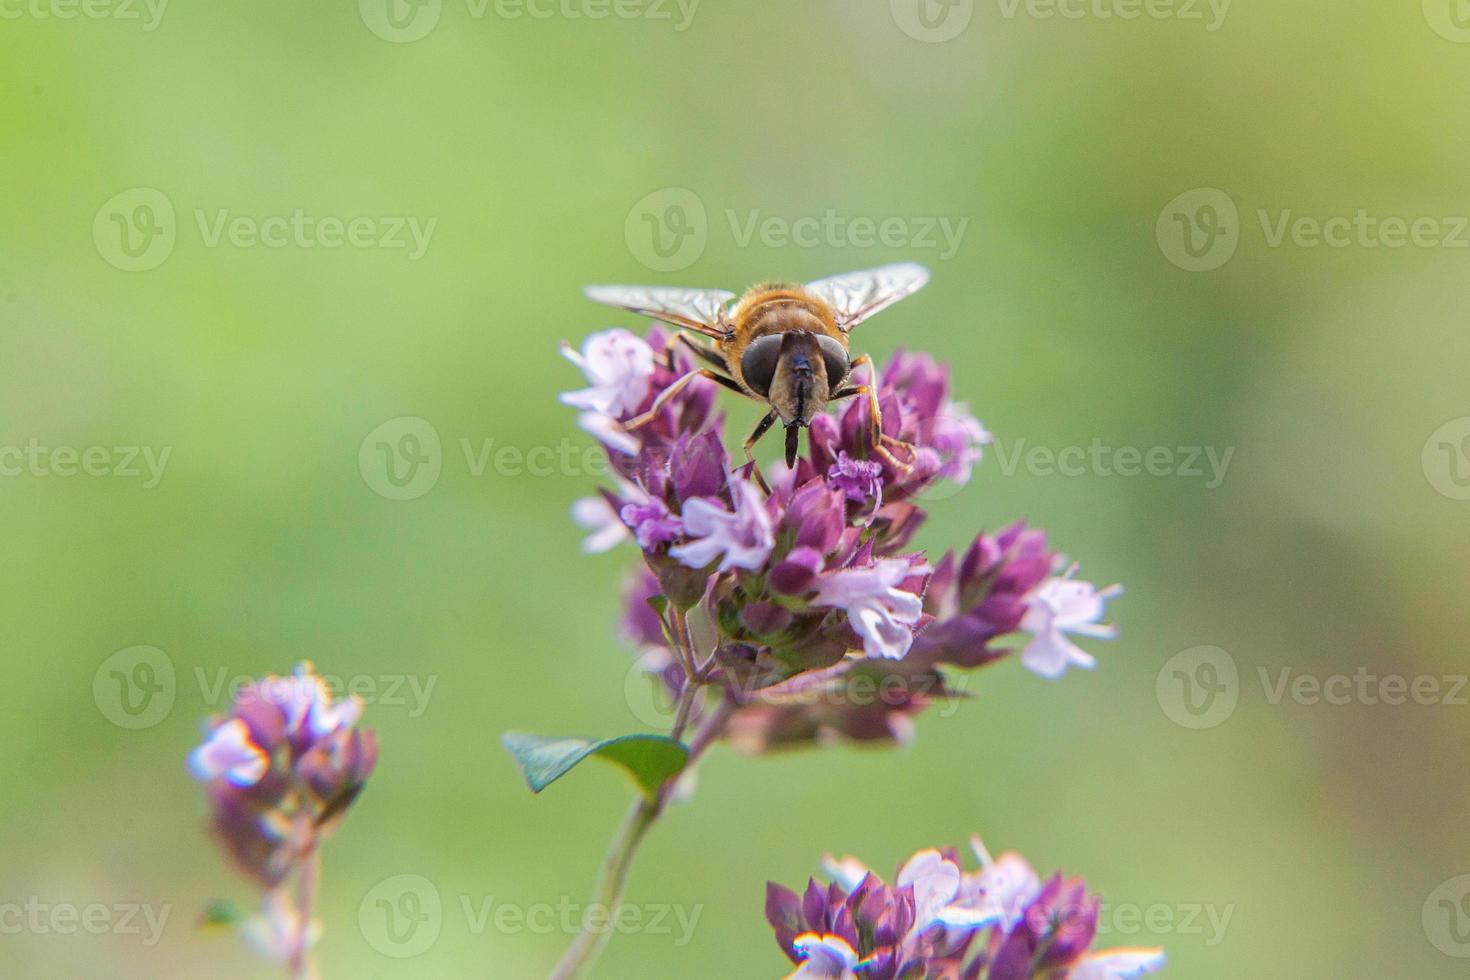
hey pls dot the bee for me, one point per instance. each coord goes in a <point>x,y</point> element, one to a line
<point>782,344</point>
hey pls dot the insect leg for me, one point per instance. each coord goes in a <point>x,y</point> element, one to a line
<point>701,351</point>
<point>664,396</point>
<point>675,388</point>
<point>761,429</point>
<point>730,383</point>
<point>875,428</point>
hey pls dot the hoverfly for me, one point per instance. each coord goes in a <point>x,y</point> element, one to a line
<point>781,344</point>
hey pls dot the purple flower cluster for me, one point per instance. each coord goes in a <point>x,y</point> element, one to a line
<point>280,770</point>
<point>1000,922</point>
<point>825,623</point>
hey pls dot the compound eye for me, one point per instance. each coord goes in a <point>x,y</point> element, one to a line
<point>758,363</point>
<point>836,360</point>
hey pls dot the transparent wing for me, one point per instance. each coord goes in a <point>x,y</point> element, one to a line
<point>858,295</point>
<point>704,311</point>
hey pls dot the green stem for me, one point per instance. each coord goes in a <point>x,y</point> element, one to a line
<point>589,942</point>
<point>620,855</point>
<point>303,966</point>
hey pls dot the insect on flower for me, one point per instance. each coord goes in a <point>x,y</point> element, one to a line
<point>782,344</point>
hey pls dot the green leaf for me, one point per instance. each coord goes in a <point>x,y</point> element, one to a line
<point>220,913</point>
<point>651,760</point>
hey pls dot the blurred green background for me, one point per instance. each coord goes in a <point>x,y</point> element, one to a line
<point>542,149</point>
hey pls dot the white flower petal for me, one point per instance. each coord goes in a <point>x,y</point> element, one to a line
<point>825,958</point>
<point>598,516</point>
<point>848,872</point>
<point>936,882</point>
<point>229,752</point>
<point>1119,964</point>
<point>1058,606</point>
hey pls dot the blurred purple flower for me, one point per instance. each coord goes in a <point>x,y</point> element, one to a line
<point>280,770</point>
<point>939,920</point>
<point>598,515</point>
